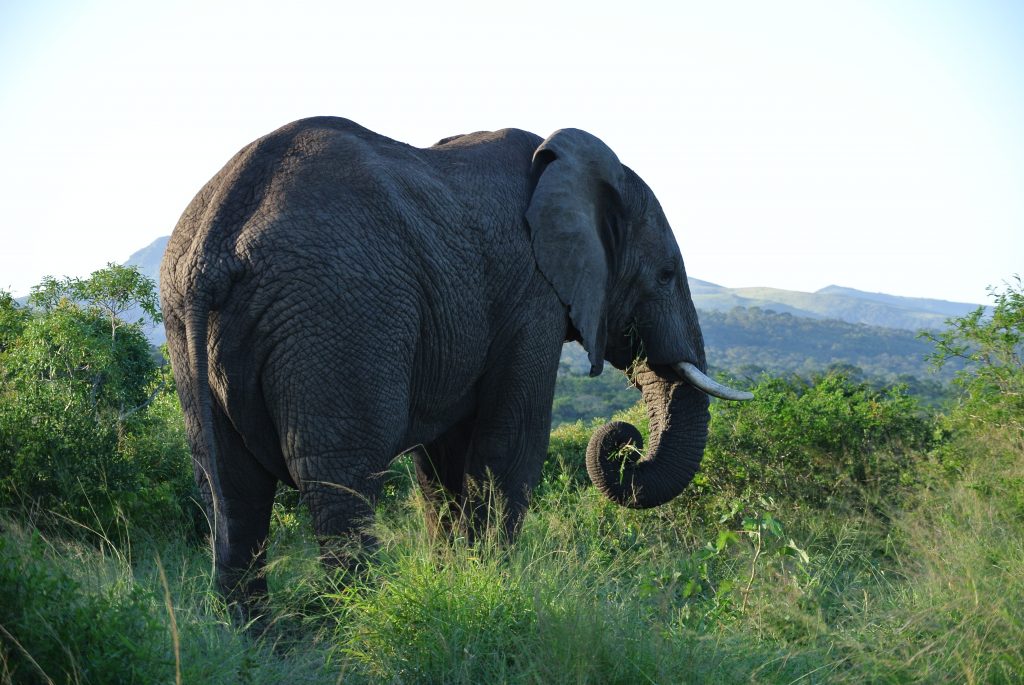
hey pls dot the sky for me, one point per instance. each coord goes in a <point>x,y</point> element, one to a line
<point>874,145</point>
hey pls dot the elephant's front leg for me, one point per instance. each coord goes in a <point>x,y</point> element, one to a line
<point>511,434</point>
<point>441,473</point>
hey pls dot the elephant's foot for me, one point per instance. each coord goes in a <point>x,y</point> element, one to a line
<point>246,597</point>
<point>348,555</point>
<point>491,512</point>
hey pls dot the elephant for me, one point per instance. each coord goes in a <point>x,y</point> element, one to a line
<point>334,298</point>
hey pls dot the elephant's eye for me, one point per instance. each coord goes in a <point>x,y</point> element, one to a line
<point>665,276</point>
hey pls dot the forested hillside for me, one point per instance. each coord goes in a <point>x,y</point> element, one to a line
<point>833,302</point>
<point>748,343</point>
<point>755,340</point>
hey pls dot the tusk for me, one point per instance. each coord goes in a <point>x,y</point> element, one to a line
<point>700,381</point>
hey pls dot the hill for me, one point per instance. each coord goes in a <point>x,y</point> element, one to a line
<point>747,342</point>
<point>148,258</point>
<point>148,261</point>
<point>752,341</point>
<point>833,302</point>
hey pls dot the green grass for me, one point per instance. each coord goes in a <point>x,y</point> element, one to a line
<point>775,592</point>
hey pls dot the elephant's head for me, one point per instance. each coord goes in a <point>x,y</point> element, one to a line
<point>602,240</point>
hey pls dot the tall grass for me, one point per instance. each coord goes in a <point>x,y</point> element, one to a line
<point>772,591</point>
<point>962,615</point>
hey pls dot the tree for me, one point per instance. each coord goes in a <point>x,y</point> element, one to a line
<point>75,381</point>
<point>12,320</point>
<point>825,441</point>
<point>112,291</point>
<point>992,348</point>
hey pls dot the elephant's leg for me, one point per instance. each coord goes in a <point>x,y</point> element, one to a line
<point>512,431</point>
<point>342,512</point>
<point>338,466</point>
<point>498,487</point>
<point>337,393</point>
<point>241,518</point>
<point>441,472</point>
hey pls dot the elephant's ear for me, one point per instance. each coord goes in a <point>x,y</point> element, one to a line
<point>571,218</point>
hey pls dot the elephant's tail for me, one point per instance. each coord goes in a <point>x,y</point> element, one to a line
<point>205,453</point>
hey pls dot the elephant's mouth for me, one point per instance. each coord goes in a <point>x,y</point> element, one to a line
<point>692,375</point>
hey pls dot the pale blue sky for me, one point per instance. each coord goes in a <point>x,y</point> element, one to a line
<point>877,145</point>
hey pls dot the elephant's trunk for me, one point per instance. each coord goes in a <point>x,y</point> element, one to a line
<point>678,415</point>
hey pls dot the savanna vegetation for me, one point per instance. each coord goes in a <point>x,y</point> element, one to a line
<point>752,342</point>
<point>840,530</point>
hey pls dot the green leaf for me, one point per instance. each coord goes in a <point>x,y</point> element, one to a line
<point>792,550</point>
<point>725,538</point>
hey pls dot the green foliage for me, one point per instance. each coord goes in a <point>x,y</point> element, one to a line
<point>426,623</point>
<point>76,387</point>
<point>138,612</point>
<point>828,441</point>
<point>565,466</point>
<point>111,292</point>
<point>992,349</point>
<point>69,347</point>
<point>961,618</point>
<point>54,630</point>
<point>166,492</point>
<point>12,320</point>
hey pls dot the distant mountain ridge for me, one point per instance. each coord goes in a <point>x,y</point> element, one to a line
<point>148,258</point>
<point>832,302</point>
<point>148,261</point>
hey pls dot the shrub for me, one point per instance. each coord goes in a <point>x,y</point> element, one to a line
<point>812,442</point>
<point>991,346</point>
<point>55,630</point>
<point>89,430</point>
<point>158,450</point>
<point>827,441</point>
<point>65,390</point>
<point>565,465</point>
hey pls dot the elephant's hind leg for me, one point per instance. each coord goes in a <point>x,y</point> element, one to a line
<point>342,510</point>
<point>340,477</point>
<point>241,519</point>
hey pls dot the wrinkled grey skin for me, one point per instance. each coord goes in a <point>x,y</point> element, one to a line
<point>333,297</point>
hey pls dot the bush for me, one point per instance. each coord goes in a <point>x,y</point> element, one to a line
<point>90,432</point>
<point>158,450</point>
<point>824,442</point>
<point>65,388</point>
<point>55,630</point>
<point>565,465</point>
<point>991,347</point>
<point>819,442</point>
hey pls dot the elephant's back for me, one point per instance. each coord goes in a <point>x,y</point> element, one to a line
<point>299,168</point>
<point>325,198</point>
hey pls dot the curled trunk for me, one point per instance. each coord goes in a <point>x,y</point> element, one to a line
<point>678,417</point>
